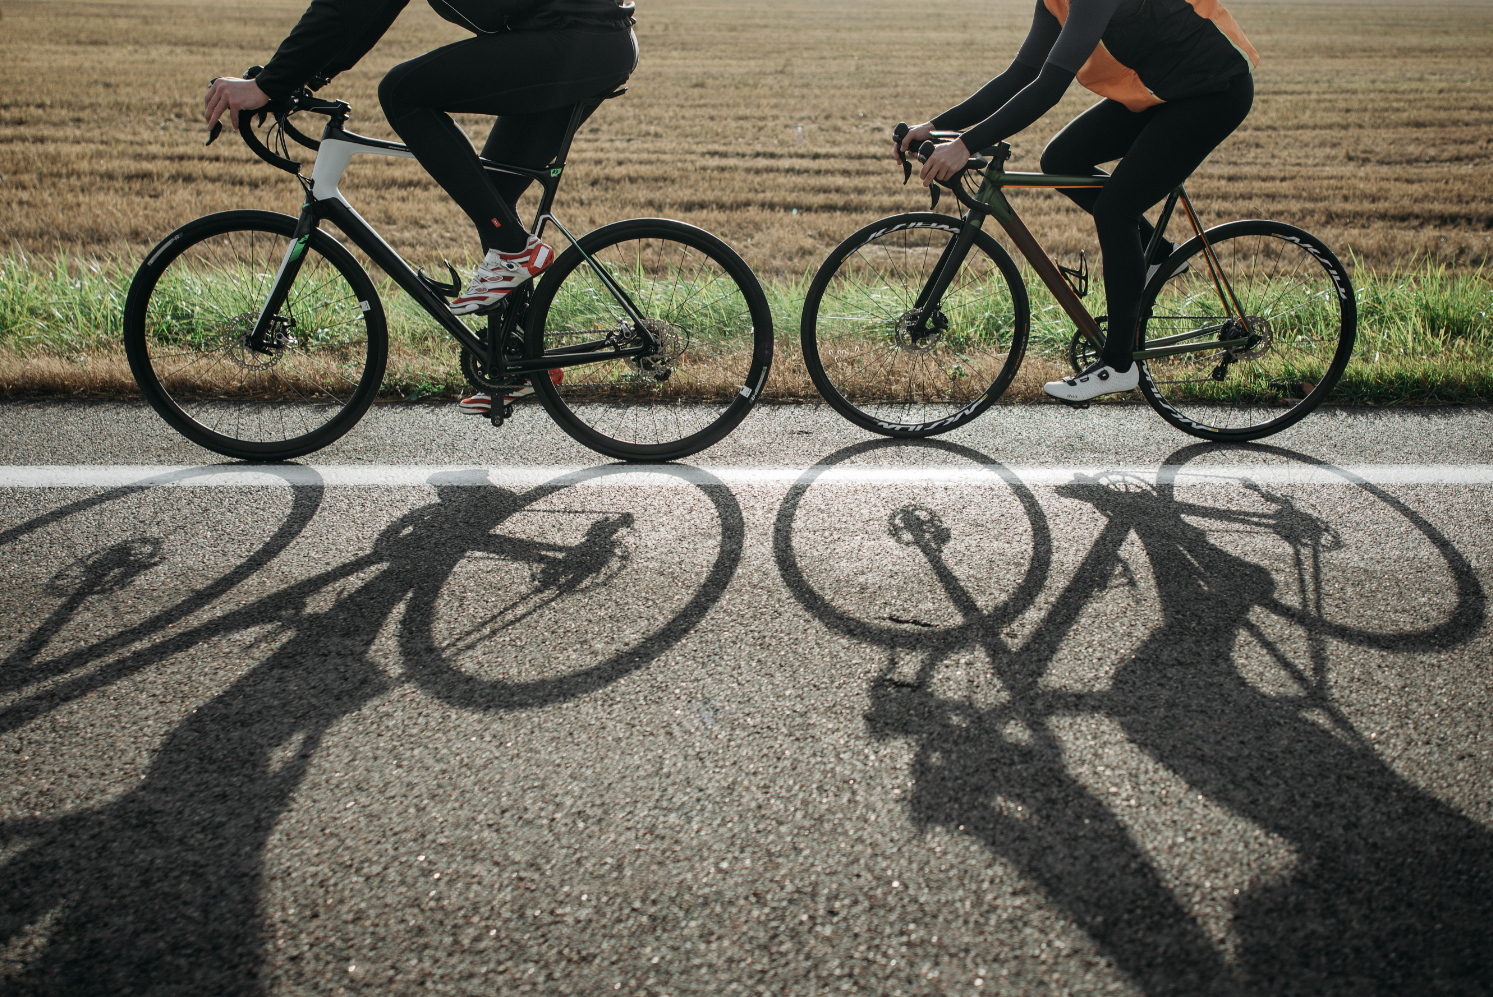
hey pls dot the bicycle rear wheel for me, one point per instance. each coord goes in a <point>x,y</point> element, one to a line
<point>1299,313</point>
<point>192,307</point>
<point>862,305</point>
<point>702,305</point>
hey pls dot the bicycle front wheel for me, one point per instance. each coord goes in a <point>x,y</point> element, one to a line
<point>862,309</point>
<point>703,309</point>
<point>192,308</point>
<point>1299,319</point>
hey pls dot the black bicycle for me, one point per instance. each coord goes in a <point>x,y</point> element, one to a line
<point>917,323</point>
<point>259,336</point>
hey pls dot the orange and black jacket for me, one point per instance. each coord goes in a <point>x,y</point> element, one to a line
<point>1138,52</point>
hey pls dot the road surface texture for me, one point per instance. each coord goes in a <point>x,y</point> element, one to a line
<point>1061,703</point>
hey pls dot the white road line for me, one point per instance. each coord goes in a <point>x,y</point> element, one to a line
<point>654,476</point>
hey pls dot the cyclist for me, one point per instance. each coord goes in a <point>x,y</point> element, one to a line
<point>1176,78</point>
<point>530,62</point>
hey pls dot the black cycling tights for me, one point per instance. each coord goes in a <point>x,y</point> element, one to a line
<point>530,80</point>
<point>1158,148</point>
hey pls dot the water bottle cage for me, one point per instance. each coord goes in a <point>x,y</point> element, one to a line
<point>1077,279</point>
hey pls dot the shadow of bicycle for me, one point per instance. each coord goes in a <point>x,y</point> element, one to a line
<point>160,889</point>
<point>1377,886</point>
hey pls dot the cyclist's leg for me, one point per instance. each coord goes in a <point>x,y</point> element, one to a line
<point>493,74</point>
<point>1175,138</point>
<point>1099,135</point>
<point>525,140</point>
<point>532,138</point>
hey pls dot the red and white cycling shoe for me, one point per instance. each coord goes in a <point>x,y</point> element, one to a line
<point>481,402</point>
<point>501,273</point>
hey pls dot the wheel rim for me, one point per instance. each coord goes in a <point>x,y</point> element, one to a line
<point>878,356</point>
<point>1294,318</point>
<point>196,325</point>
<point>701,319</point>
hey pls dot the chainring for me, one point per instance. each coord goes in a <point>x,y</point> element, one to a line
<point>478,379</point>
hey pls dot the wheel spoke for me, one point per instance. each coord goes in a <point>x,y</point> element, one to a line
<point>859,319</point>
<point>1302,334</point>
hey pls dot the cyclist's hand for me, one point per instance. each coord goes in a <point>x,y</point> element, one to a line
<point>945,162</point>
<point>913,139</point>
<point>231,94</point>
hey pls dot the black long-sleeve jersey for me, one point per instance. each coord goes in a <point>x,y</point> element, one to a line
<point>334,34</point>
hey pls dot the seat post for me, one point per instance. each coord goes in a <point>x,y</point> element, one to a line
<point>577,115</point>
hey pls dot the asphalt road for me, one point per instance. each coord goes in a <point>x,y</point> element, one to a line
<point>1059,703</point>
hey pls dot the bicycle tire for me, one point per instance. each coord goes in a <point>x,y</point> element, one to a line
<point>188,314</point>
<point>702,302</point>
<point>856,314</point>
<point>1297,297</point>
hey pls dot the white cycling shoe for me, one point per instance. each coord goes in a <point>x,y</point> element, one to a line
<point>1180,268</point>
<point>1098,378</point>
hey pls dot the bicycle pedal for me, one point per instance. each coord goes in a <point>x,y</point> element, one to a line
<point>1076,404</point>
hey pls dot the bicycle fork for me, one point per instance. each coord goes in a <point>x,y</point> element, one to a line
<point>271,330</point>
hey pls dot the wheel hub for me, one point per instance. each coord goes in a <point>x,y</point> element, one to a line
<point>669,343</point>
<point>1257,327</point>
<point>931,335</point>
<point>239,346</point>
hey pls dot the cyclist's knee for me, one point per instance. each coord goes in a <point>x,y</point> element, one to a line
<point>388,87</point>
<point>1053,160</point>
<point>1067,154</point>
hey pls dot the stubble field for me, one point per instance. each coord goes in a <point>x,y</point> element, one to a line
<point>766,122</point>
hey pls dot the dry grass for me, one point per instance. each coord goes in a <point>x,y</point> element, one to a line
<point>764,121</point>
<point>1372,125</point>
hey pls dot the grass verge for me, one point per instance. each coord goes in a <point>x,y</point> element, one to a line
<point>1423,337</point>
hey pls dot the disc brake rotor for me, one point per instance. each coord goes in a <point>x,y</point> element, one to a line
<point>236,342</point>
<point>932,335</point>
<point>1256,326</point>
<point>671,341</point>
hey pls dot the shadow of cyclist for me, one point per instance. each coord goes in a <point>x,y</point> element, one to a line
<point>1393,890</point>
<point>160,890</point>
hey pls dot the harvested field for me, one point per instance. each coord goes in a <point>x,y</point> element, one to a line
<point>1373,126</point>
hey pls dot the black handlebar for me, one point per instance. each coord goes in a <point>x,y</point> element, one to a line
<point>301,100</point>
<point>998,154</point>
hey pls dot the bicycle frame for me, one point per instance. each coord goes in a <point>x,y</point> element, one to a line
<point>325,202</point>
<point>991,196</point>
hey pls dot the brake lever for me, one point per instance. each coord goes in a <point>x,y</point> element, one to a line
<point>924,151</point>
<point>898,134</point>
<point>212,136</point>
